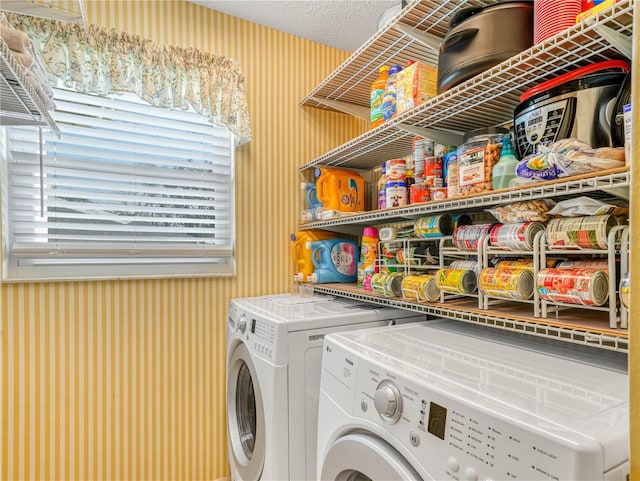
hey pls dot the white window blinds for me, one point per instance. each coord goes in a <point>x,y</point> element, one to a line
<point>127,190</point>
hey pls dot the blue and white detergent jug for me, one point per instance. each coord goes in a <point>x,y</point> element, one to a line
<point>314,206</point>
<point>335,260</point>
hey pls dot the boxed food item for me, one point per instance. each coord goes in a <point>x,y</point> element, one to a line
<point>416,84</point>
<point>595,9</point>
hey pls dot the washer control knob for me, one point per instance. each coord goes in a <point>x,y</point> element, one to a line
<point>388,401</point>
<point>242,324</point>
<point>453,464</point>
<point>470,474</point>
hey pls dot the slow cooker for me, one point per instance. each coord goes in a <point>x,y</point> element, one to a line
<point>582,104</point>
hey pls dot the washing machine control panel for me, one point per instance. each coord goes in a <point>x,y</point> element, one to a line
<point>455,432</point>
<point>461,440</point>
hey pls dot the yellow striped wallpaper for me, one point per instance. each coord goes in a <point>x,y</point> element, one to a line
<point>125,379</point>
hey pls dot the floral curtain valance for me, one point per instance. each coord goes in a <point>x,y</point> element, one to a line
<point>93,59</point>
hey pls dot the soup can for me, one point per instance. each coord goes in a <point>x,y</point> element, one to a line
<point>573,286</point>
<point>597,264</point>
<point>420,288</point>
<point>396,171</point>
<point>515,236</point>
<point>624,290</point>
<point>589,232</point>
<point>419,193</point>
<point>416,256</point>
<point>456,281</point>
<point>388,285</point>
<point>507,283</point>
<point>469,265</point>
<point>434,226</point>
<point>467,237</point>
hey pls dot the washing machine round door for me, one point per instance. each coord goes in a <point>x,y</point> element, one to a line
<point>245,415</point>
<point>365,457</point>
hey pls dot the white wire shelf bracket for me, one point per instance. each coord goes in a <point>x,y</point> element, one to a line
<point>485,100</point>
<point>591,183</point>
<point>576,335</point>
<point>19,102</point>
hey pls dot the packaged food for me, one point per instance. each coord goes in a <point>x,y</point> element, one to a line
<point>529,211</point>
<point>582,206</point>
<point>416,84</point>
<point>476,158</point>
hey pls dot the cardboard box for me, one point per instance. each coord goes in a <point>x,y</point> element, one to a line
<point>627,132</point>
<point>595,10</point>
<point>415,84</point>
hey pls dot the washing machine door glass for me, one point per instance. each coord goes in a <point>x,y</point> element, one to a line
<point>246,410</point>
<point>365,457</point>
<point>245,415</point>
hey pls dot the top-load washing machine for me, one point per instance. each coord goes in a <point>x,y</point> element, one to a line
<point>446,400</point>
<point>274,351</point>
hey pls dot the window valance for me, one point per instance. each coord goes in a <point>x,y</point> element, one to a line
<point>93,59</point>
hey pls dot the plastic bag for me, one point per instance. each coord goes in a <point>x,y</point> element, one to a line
<point>533,210</point>
<point>569,157</point>
<point>583,206</point>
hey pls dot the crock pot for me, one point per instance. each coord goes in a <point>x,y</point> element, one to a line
<point>481,37</point>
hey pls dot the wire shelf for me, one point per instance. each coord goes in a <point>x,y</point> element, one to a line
<point>600,338</point>
<point>19,102</point>
<point>487,99</point>
<point>602,181</point>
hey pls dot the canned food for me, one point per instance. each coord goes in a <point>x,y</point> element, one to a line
<point>416,256</point>
<point>624,290</point>
<point>438,193</point>
<point>396,194</point>
<point>507,283</point>
<point>420,288</point>
<point>433,171</point>
<point>419,193</point>
<point>597,264</point>
<point>396,171</point>
<point>573,286</point>
<point>456,281</point>
<point>524,263</point>
<point>434,226</point>
<point>515,236</point>
<point>467,265</point>
<point>589,232</point>
<point>388,285</point>
<point>467,237</point>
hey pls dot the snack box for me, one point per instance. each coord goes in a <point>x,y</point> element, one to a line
<point>416,84</point>
<point>595,10</point>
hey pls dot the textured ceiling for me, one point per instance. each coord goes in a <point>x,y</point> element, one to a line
<point>343,24</point>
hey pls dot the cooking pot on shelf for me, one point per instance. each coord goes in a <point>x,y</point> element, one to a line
<point>481,37</point>
<point>585,103</point>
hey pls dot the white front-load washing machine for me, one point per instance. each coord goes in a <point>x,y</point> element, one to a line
<point>274,351</point>
<point>444,400</point>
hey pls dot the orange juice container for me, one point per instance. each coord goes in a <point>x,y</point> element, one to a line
<point>378,87</point>
<point>340,189</point>
<point>301,254</point>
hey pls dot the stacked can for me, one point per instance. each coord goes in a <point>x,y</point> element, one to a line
<point>422,148</point>
<point>388,252</point>
<point>589,232</point>
<point>396,172</point>
<point>457,281</point>
<point>467,237</point>
<point>588,287</point>
<point>388,285</point>
<point>434,226</point>
<point>515,236</point>
<point>467,265</point>
<point>507,283</point>
<point>420,288</point>
<point>624,290</point>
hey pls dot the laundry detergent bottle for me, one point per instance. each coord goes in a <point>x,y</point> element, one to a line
<point>335,260</point>
<point>368,257</point>
<point>313,204</point>
<point>301,252</point>
<point>339,189</point>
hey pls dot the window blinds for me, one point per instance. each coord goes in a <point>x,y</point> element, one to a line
<point>125,184</point>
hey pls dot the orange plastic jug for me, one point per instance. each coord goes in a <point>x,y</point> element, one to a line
<point>301,254</point>
<point>340,189</point>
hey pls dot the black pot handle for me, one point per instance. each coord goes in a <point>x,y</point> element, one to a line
<point>454,38</point>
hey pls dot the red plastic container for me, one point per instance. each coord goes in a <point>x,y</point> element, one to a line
<point>551,17</point>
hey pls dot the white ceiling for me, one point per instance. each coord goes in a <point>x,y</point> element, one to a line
<point>343,24</point>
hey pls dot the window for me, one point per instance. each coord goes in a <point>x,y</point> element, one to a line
<point>126,190</point>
